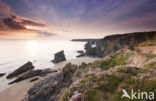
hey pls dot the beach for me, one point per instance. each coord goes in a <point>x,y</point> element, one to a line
<point>19,90</point>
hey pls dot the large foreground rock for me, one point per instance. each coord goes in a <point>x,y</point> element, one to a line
<point>58,57</point>
<point>51,88</point>
<point>26,67</point>
<point>33,73</point>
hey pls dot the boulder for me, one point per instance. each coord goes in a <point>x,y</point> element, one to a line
<point>2,74</point>
<point>33,73</point>
<point>58,57</point>
<point>26,67</point>
<point>51,88</point>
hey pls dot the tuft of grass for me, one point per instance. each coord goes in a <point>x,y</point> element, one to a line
<point>129,70</point>
<point>151,65</point>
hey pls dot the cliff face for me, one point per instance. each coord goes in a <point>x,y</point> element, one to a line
<point>112,43</point>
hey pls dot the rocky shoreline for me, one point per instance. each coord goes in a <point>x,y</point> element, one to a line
<point>125,62</point>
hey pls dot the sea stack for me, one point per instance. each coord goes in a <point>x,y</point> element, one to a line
<point>59,56</point>
<point>26,67</point>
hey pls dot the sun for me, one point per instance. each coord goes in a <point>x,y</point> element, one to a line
<point>28,27</point>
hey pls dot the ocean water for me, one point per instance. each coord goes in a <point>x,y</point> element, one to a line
<point>14,53</point>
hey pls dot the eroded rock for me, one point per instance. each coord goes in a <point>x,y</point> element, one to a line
<point>26,67</point>
<point>58,57</point>
<point>51,88</point>
<point>33,73</point>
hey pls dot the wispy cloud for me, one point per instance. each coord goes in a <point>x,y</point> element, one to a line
<point>81,17</point>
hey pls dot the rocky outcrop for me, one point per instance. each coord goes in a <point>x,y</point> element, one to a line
<point>26,67</point>
<point>35,79</point>
<point>112,43</point>
<point>2,74</point>
<point>81,53</point>
<point>33,73</point>
<point>51,88</point>
<point>58,57</point>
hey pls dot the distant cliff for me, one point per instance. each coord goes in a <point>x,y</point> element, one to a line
<point>112,43</point>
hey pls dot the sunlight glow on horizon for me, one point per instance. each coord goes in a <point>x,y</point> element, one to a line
<point>32,47</point>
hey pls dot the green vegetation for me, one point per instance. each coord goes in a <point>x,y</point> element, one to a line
<point>148,43</point>
<point>131,81</point>
<point>92,51</point>
<point>115,60</point>
<point>128,70</point>
<point>93,87</point>
<point>149,55</point>
<point>107,86</point>
<point>151,65</point>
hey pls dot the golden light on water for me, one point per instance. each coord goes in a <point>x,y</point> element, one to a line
<point>32,46</point>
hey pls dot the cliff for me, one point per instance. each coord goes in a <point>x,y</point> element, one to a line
<point>112,43</point>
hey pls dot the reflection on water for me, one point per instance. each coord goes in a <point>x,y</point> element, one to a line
<point>32,47</point>
<point>14,53</point>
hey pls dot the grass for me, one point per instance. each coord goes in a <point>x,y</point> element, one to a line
<point>131,81</point>
<point>148,43</point>
<point>149,55</point>
<point>108,87</point>
<point>115,60</point>
<point>128,70</point>
<point>151,65</point>
<point>93,87</point>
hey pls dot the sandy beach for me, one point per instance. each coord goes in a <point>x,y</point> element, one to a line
<point>19,90</point>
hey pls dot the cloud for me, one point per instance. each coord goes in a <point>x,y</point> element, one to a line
<point>13,24</point>
<point>4,9</point>
<point>30,22</point>
<point>46,34</point>
<point>17,23</point>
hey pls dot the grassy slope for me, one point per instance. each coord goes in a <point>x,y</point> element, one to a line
<point>116,73</point>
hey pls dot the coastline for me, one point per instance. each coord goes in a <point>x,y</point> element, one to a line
<point>19,90</point>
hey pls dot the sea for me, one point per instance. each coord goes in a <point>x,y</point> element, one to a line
<point>15,53</point>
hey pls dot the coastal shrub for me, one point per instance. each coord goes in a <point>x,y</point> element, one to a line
<point>129,70</point>
<point>151,65</point>
<point>115,60</point>
<point>93,87</point>
<point>131,81</point>
<point>148,85</point>
<point>149,55</point>
<point>109,87</point>
<point>113,82</point>
<point>148,43</point>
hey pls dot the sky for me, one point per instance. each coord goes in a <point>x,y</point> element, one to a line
<point>40,19</point>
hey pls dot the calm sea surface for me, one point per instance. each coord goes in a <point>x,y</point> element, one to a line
<point>14,53</point>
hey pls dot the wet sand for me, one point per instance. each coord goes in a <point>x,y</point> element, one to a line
<point>19,90</point>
